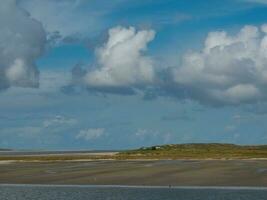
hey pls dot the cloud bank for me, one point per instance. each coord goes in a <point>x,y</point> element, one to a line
<point>228,70</point>
<point>22,41</point>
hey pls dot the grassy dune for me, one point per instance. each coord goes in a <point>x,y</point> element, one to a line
<point>198,151</point>
<point>174,151</point>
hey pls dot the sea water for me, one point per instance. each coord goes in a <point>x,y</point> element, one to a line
<point>48,192</point>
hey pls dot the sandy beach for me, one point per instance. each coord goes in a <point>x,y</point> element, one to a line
<point>157,172</point>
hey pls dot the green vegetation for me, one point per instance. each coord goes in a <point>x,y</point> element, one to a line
<point>172,151</point>
<point>197,151</point>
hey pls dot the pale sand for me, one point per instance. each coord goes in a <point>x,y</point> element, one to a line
<point>6,162</point>
<point>146,172</point>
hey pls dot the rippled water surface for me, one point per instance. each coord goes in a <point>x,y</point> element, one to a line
<point>28,192</point>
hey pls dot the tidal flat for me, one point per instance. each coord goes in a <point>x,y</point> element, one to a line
<point>251,173</point>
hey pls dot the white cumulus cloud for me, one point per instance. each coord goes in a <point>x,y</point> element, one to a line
<point>22,41</point>
<point>121,61</point>
<point>59,121</point>
<point>91,134</point>
<point>230,69</point>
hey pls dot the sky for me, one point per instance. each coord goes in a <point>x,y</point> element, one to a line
<point>122,74</point>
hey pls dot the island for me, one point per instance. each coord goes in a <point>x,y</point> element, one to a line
<point>209,164</point>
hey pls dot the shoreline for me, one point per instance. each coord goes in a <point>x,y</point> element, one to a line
<point>8,161</point>
<point>139,186</point>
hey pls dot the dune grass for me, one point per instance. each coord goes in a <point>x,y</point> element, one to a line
<point>172,151</point>
<point>198,151</point>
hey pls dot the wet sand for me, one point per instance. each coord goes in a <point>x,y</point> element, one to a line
<point>154,173</point>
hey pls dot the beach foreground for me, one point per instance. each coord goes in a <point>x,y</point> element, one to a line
<point>138,172</point>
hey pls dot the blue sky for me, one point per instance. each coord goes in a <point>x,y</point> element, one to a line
<point>77,74</point>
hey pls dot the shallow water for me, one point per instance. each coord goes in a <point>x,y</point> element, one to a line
<point>30,192</point>
<point>32,153</point>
